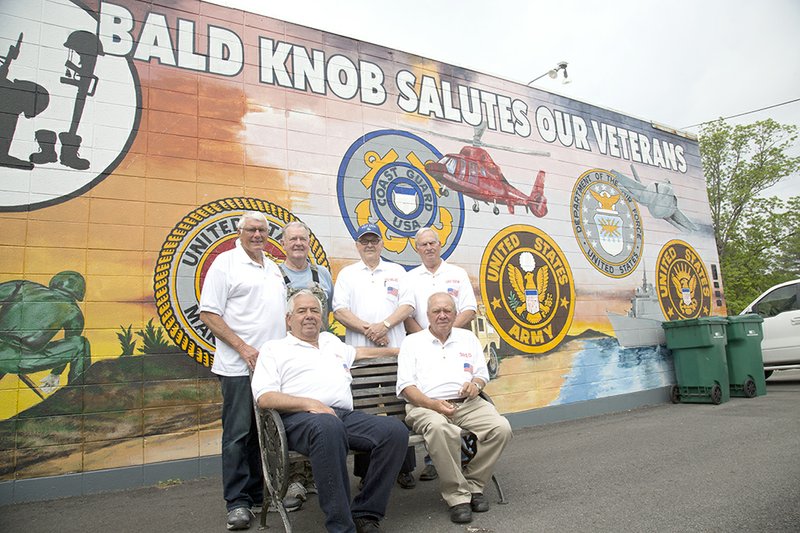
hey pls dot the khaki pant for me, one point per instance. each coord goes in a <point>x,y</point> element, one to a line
<point>443,440</point>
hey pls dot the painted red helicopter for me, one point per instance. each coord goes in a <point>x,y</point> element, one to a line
<point>473,173</point>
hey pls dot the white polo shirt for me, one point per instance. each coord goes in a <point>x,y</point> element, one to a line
<point>448,278</point>
<point>440,370</point>
<point>250,298</point>
<point>371,295</point>
<point>295,367</point>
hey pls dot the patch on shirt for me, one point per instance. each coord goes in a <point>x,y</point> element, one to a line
<point>469,368</point>
<point>452,291</point>
<point>392,291</point>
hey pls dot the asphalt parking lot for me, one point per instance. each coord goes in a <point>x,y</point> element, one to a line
<point>685,467</point>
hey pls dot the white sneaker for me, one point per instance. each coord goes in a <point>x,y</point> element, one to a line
<point>297,490</point>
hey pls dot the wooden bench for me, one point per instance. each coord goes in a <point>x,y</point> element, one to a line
<point>374,391</point>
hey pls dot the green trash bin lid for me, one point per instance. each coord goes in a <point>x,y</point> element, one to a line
<point>751,318</point>
<point>691,322</point>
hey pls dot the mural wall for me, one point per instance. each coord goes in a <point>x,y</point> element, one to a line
<point>133,135</point>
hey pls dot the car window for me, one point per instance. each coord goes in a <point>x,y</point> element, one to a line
<point>778,301</point>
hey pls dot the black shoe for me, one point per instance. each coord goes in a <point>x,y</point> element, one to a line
<point>366,524</point>
<point>479,503</point>
<point>239,518</point>
<point>429,473</point>
<point>406,480</point>
<point>461,514</point>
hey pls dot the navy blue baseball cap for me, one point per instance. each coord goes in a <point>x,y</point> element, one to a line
<point>367,228</point>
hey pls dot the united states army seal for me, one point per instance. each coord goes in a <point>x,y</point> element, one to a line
<point>682,282</point>
<point>528,287</point>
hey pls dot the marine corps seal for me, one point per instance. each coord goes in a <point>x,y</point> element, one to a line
<point>682,282</point>
<point>607,223</point>
<point>187,254</point>
<point>528,287</point>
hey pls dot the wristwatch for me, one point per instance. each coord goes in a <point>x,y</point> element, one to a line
<point>386,323</point>
<point>480,387</point>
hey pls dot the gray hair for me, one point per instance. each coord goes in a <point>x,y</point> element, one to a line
<point>296,224</point>
<point>251,215</point>
<point>452,300</point>
<point>420,231</point>
<point>301,292</point>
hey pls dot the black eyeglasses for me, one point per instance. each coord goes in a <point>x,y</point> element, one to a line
<point>369,240</point>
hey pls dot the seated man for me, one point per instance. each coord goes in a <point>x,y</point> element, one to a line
<point>441,371</point>
<point>306,376</point>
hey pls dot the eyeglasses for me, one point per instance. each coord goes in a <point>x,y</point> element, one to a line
<point>254,230</point>
<point>369,240</point>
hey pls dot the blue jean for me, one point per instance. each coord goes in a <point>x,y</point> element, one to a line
<point>325,439</point>
<point>242,480</point>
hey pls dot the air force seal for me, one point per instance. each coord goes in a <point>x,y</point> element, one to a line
<point>607,224</point>
<point>382,179</point>
<point>187,254</point>
<point>528,286</point>
<point>682,282</point>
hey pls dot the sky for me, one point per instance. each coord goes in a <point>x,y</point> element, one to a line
<point>678,63</point>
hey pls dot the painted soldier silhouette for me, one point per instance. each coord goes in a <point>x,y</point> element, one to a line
<point>17,97</point>
<point>84,48</point>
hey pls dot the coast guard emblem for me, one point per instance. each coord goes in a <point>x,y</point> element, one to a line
<point>382,179</point>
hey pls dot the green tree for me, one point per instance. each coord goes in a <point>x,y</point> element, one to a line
<point>756,236</point>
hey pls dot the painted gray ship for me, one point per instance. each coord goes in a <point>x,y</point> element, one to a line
<point>642,325</point>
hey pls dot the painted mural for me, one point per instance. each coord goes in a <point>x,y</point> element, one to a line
<point>133,136</point>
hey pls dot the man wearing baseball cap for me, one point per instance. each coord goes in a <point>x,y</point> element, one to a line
<point>366,300</point>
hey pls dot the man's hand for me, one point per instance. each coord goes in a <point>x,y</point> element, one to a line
<point>444,407</point>
<point>318,408</point>
<point>249,354</point>
<point>377,332</point>
<point>469,390</point>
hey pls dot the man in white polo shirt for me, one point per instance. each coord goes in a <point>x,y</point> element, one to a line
<point>306,376</point>
<point>441,371</point>
<point>243,304</point>
<point>435,275</point>
<point>366,301</point>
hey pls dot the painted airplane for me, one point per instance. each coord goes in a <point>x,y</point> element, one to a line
<point>658,197</point>
<point>473,173</point>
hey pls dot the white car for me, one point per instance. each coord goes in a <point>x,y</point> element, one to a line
<point>780,308</point>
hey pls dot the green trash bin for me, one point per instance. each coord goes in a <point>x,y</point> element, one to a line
<point>743,351</point>
<point>701,368</point>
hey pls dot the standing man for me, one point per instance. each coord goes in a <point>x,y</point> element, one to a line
<point>441,371</point>
<point>306,376</point>
<point>299,272</point>
<point>368,292</point>
<point>435,275</point>
<point>243,304</point>
<point>366,302</point>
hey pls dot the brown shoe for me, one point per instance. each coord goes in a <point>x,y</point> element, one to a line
<point>461,513</point>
